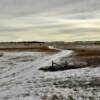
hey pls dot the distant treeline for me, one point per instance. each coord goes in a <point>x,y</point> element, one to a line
<point>23,42</point>
<point>54,43</point>
<point>85,42</point>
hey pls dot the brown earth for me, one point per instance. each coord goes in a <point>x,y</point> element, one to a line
<point>90,57</point>
<point>36,49</point>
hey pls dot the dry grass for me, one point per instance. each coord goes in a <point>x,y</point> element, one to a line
<point>87,52</point>
<point>91,57</point>
<point>34,49</point>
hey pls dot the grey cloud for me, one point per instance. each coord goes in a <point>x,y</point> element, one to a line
<point>82,16</point>
<point>53,26</point>
<point>79,30</point>
<point>49,7</point>
<point>24,12</point>
<point>16,29</point>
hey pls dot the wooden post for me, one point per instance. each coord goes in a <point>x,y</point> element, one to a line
<point>52,64</point>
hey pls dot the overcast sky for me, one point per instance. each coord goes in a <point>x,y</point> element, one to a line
<point>49,20</point>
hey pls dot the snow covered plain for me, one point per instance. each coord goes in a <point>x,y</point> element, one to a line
<point>20,78</point>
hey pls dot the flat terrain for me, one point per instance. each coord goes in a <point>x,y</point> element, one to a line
<point>30,49</point>
<point>21,79</point>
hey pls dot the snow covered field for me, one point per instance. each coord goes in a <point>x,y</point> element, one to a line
<point>20,78</point>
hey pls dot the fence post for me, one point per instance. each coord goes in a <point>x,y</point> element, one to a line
<point>52,64</point>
